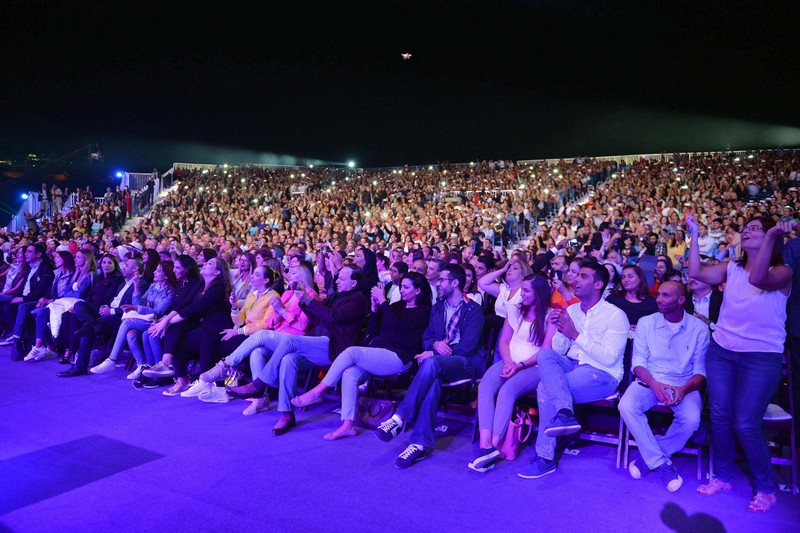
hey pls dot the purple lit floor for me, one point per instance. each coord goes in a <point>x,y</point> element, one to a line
<point>93,454</point>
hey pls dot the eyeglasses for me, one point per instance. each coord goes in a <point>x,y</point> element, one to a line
<point>751,227</point>
<point>444,280</point>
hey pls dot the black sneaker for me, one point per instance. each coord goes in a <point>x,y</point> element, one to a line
<point>389,428</point>
<point>412,454</point>
<point>638,468</point>
<point>562,424</point>
<point>148,383</point>
<point>538,468</point>
<point>486,459</point>
<point>669,476</point>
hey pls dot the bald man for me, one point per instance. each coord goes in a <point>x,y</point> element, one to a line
<point>669,349</point>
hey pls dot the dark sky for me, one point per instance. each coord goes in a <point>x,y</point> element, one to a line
<point>155,83</point>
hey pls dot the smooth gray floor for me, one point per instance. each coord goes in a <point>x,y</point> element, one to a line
<point>93,454</point>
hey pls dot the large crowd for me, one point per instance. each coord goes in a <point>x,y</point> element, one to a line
<point>666,280</point>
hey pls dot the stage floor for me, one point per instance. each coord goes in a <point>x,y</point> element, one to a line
<point>94,454</point>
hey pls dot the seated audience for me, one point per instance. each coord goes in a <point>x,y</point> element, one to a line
<point>586,364</point>
<point>398,340</point>
<point>669,349</point>
<point>525,332</point>
<point>452,350</point>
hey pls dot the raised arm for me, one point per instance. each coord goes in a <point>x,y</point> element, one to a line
<point>710,274</point>
<point>761,275</point>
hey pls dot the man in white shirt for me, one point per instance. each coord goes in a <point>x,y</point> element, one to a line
<point>669,350</point>
<point>585,364</point>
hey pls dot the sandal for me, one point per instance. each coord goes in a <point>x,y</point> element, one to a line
<point>715,486</point>
<point>762,502</point>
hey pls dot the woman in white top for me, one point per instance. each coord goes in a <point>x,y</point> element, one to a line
<point>506,292</point>
<point>525,332</point>
<point>743,361</point>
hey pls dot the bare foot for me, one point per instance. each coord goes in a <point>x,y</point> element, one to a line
<point>342,432</point>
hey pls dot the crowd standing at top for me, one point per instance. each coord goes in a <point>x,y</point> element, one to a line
<point>574,267</point>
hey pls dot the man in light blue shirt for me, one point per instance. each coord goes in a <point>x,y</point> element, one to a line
<point>669,349</point>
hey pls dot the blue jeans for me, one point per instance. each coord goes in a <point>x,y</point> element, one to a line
<point>495,415</point>
<point>564,382</point>
<point>740,387</point>
<point>422,399</point>
<point>260,346</point>
<point>292,355</point>
<point>128,330</point>
<point>153,348</point>
<point>655,451</point>
<point>23,311</point>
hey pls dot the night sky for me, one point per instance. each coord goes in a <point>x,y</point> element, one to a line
<point>238,80</point>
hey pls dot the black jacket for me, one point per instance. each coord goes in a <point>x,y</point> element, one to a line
<point>41,282</point>
<point>713,306</point>
<point>341,318</point>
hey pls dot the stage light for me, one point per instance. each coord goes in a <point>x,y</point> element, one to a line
<point>118,174</point>
<point>351,164</point>
<point>24,196</point>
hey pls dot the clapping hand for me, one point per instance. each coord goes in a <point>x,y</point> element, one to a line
<point>780,229</point>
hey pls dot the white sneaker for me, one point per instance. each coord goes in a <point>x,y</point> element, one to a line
<point>34,353</point>
<point>137,372</point>
<point>46,354</point>
<point>105,367</point>
<point>195,389</point>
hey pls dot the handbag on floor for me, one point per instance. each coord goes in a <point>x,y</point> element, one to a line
<point>518,433</point>
<point>370,412</point>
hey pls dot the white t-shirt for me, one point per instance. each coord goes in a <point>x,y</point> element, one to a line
<point>503,305</point>
<point>520,348</point>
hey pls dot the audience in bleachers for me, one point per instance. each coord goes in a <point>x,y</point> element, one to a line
<point>562,263</point>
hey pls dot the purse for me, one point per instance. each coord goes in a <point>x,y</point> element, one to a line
<point>370,412</point>
<point>518,433</point>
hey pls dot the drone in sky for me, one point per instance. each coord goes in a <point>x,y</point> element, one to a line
<point>406,55</point>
